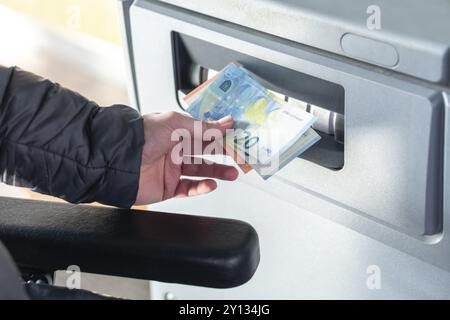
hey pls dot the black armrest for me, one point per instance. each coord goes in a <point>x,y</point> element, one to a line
<point>167,247</point>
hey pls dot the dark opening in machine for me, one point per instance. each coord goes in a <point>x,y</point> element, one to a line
<point>196,61</point>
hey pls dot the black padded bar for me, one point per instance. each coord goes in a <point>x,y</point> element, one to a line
<point>195,250</point>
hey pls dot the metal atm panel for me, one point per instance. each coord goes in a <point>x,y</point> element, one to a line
<point>391,185</point>
<point>413,37</point>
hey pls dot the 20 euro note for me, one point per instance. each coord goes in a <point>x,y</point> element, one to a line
<point>267,132</point>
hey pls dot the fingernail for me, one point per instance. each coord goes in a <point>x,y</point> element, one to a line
<point>225,119</point>
<point>231,174</point>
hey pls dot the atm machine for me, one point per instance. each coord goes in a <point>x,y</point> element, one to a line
<point>362,214</point>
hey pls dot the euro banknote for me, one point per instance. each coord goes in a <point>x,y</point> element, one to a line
<point>267,133</point>
<point>309,138</point>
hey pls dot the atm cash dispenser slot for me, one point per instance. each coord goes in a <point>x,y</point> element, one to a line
<point>193,58</point>
<point>392,176</point>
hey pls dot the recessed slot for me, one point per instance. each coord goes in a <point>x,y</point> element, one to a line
<point>196,60</point>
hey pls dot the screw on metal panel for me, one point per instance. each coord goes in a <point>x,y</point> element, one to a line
<point>169,296</point>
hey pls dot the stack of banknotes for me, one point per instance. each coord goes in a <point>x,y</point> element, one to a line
<point>267,134</point>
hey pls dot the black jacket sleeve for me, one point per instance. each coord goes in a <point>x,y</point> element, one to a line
<point>57,142</point>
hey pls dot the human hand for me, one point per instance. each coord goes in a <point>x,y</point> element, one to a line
<point>160,176</point>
